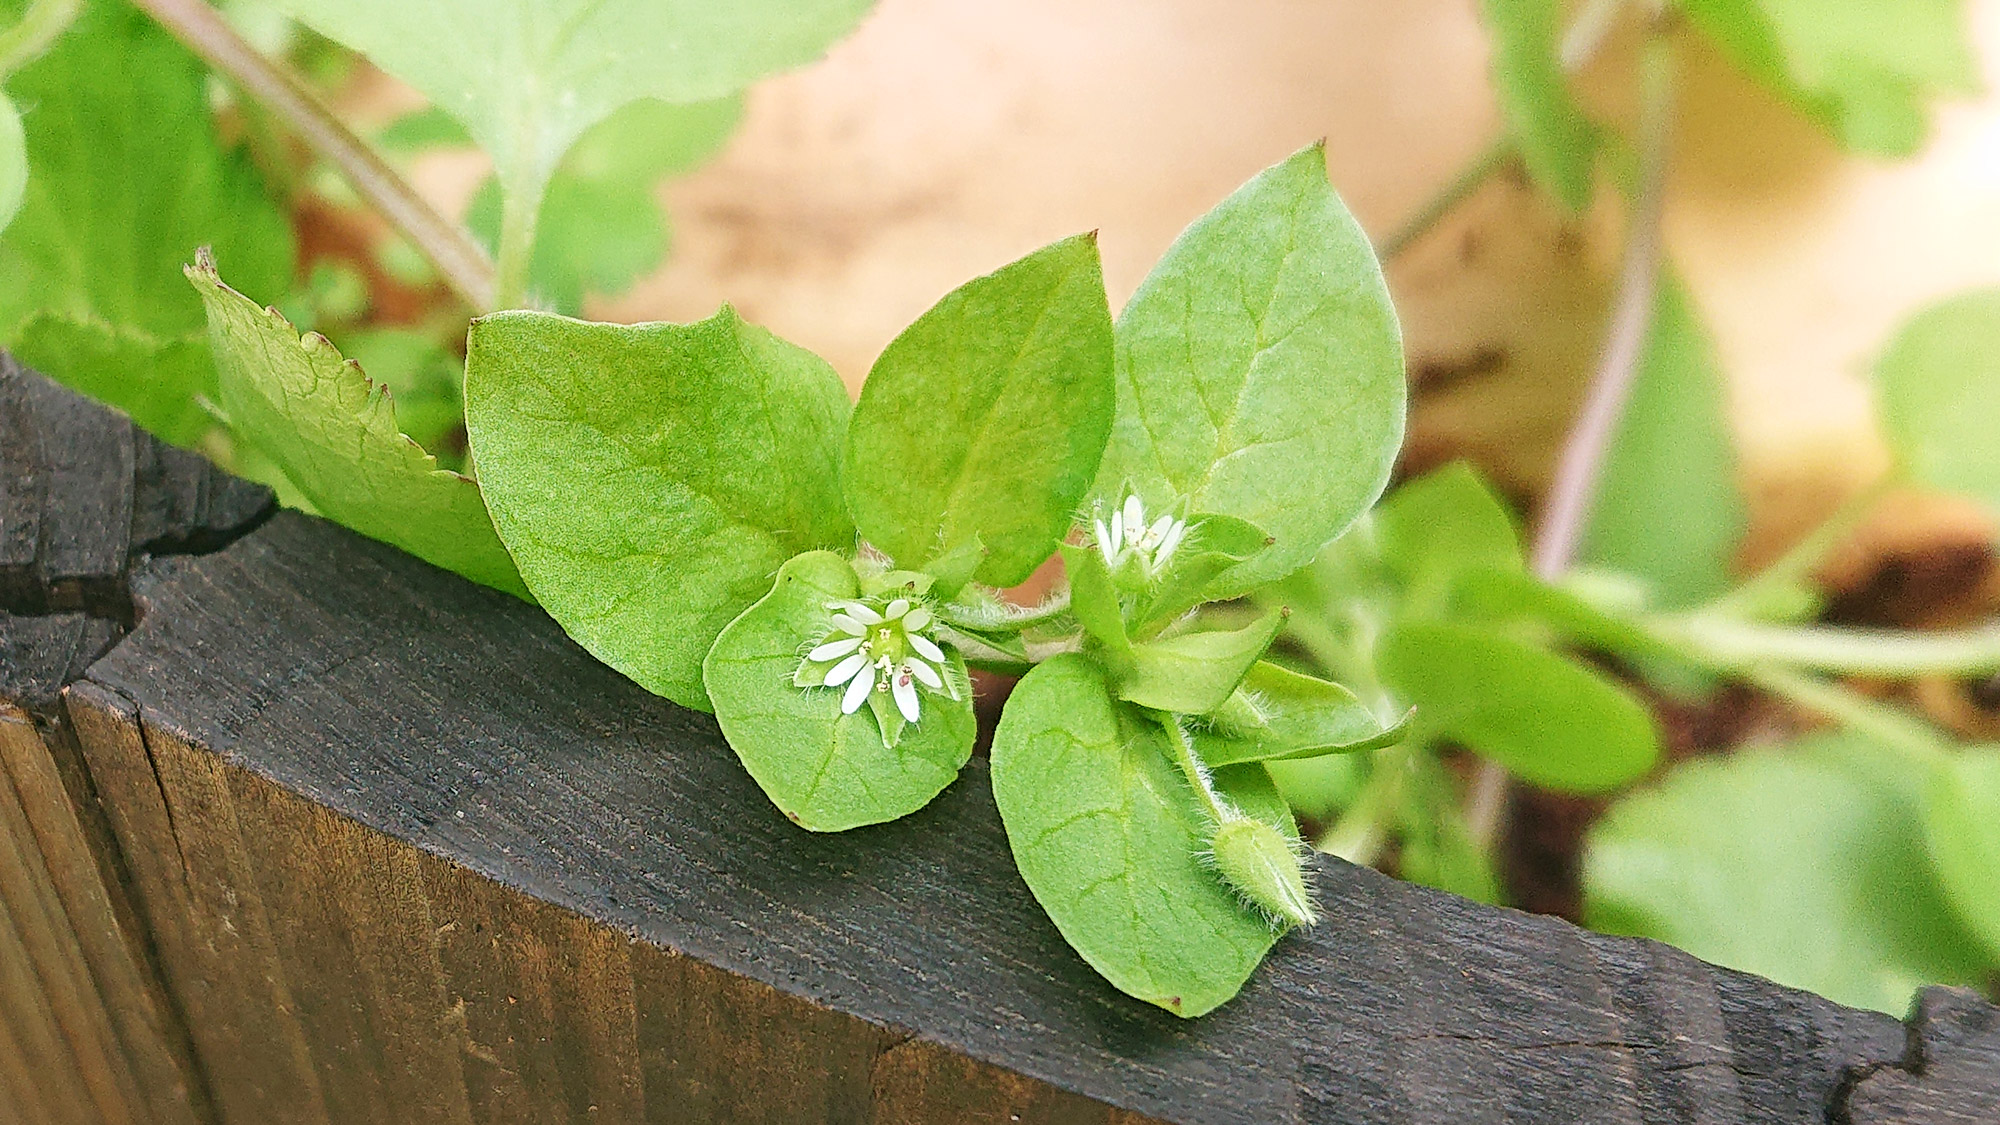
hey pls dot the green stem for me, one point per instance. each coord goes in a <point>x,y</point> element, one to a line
<point>1362,830</point>
<point>1005,617</point>
<point>520,209</point>
<point>1858,713</point>
<point>1793,568</point>
<point>1731,644</point>
<point>38,27</point>
<point>1495,157</point>
<point>1196,773</point>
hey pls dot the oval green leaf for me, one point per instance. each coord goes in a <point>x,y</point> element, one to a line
<point>987,417</point>
<point>334,434</point>
<point>1962,825</point>
<point>1105,832</point>
<point>1548,720</point>
<point>1260,372</point>
<point>825,770</point>
<point>1195,673</point>
<point>649,479</point>
<point>1439,526</point>
<point>1938,390</point>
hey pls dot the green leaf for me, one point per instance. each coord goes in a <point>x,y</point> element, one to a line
<point>1668,506</point>
<point>1094,601</point>
<point>528,77</point>
<point>1512,596</point>
<point>1212,545</point>
<point>13,162</point>
<point>1439,526</point>
<point>1862,68</point>
<point>649,479</point>
<point>988,416</point>
<point>158,382</point>
<point>334,435</point>
<point>1260,372</point>
<point>129,180</point>
<point>1804,865</point>
<point>1938,391</point>
<point>1962,827</point>
<point>826,770</point>
<point>1435,846</point>
<point>1318,788</point>
<point>1279,714</point>
<point>1105,832</point>
<point>424,379</point>
<point>1557,143</point>
<point>601,228</point>
<point>1548,720</point>
<point>1194,673</point>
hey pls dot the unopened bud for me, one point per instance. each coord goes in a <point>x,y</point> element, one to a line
<point>1258,862</point>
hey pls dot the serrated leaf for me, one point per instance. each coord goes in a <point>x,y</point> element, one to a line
<point>334,435</point>
<point>13,162</point>
<point>1442,525</point>
<point>1864,69</point>
<point>1668,507</point>
<point>1804,865</point>
<point>988,416</point>
<point>159,383</point>
<point>1260,372</point>
<point>826,770</point>
<point>1105,832</point>
<point>1277,714</point>
<point>1938,392</point>
<point>424,379</point>
<point>1557,143</point>
<point>1194,673</point>
<point>1548,720</point>
<point>1962,830</point>
<point>129,179</point>
<point>601,227</point>
<point>528,77</point>
<point>649,479</point>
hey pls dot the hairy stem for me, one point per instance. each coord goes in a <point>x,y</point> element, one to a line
<point>38,27</point>
<point>1493,158</point>
<point>458,259</point>
<point>1196,773</point>
<point>1582,462</point>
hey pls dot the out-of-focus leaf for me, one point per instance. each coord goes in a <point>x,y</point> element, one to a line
<point>1805,865</point>
<point>1864,69</point>
<point>1668,508</point>
<point>1962,825</point>
<point>160,383</point>
<point>1557,143</point>
<point>1439,526</point>
<point>1938,387</point>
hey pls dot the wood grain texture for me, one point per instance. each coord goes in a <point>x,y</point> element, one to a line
<point>606,913</point>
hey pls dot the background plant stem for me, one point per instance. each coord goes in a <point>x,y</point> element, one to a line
<point>1797,564</point>
<point>1495,157</point>
<point>459,260</point>
<point>37,28</point>
<point>520,210</point>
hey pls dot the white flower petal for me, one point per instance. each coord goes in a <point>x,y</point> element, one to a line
<point>925,674</point>
<point>906,694</point>
<point>1175,534</point>
<point>1157,534</point>
<point>849,625</point>
<point>1135,515</point>
<point>835,649</point>
<point>918,618</point>
<point>847,669</point>
<point>857,610</point>
<point>1117,532</point>
<point>896,609</point>
<point>927,647</point>
<point>857,694</point>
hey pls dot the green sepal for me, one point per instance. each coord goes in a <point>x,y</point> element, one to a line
<point>1194,673</point>
<point>951,570</point>
<point>1277,714</point>
<point>1213,544</point>
<point>1093,598</point>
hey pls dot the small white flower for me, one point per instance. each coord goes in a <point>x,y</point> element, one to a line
<point>882,650</point>
<point>1129,536</point>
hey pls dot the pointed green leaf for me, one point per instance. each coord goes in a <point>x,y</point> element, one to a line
<point>1962,828</point>
<point>1557,143</point>
<point>334,434</point>
<point>1805,865</point>
<point>129,179</point>
<point>1668,507</point>
<point>650,479</point>
<point>1864,69</point>
<point>1194,673</point>
<point>826,770</point>
<point>1938,390</point>
<point>1260,372</point>
<point>1105,832</point>
<point>160,383</point>
<point>1548,720</point>
<point>988,416</point>
<point>1279,714</point>
<point>527,77</point>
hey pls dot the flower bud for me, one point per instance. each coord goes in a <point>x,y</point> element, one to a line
<point>1257,861</point>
